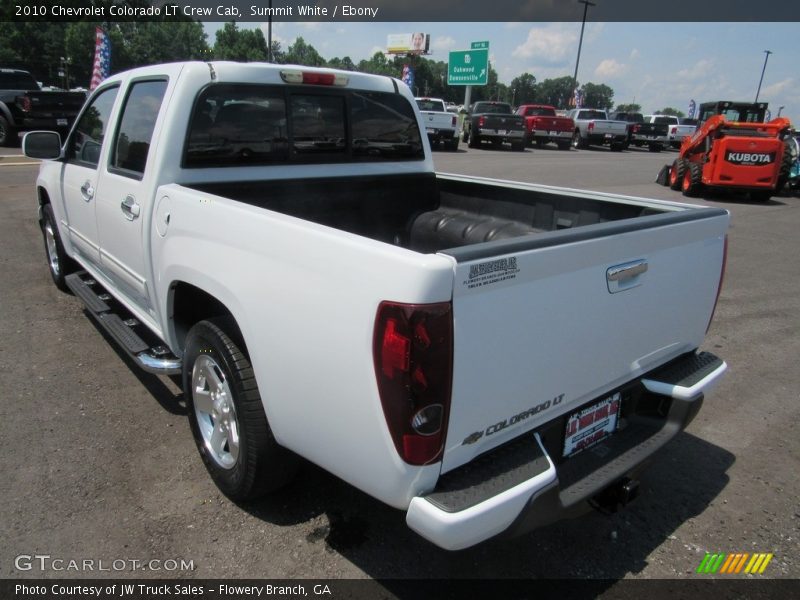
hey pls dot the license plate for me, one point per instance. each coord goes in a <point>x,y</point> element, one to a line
<point>61,122</point>
<point>608,136</point>
<point>502,132</point>
<point>429,130</point>
<point>589,426</point>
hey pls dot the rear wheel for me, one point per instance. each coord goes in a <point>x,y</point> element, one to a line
<point>226,415</point>
<point>8,135</point>
<point>474,141</point>
<point>692,180</point>
<point>577,140</point>
<point>465,136</point>
<point>518,146</point>
<point>676,173</point>
<point>540,143</point>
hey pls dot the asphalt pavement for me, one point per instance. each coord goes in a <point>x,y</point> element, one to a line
<point>98,461</point>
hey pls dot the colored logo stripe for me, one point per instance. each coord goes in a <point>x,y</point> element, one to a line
<point>734,563</point>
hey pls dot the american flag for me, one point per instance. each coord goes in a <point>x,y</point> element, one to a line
<point>102,58</point>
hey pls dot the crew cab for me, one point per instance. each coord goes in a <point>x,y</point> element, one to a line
<point>484,355</point>
<point>24,106</point>
<point>542,125</point>
<point>496,122</point>
<point>594,128</point>
<point>441,126</point>
<point>640,132</point>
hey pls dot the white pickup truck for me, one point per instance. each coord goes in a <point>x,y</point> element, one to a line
<point>594,128</point>
<point>486,356</point>
<point>441,125</point>
<point>676,130</point>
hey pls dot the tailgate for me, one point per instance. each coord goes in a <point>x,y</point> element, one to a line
<point>613,127</point>
<point>545,324</point>
<point>61,104</point>
<point>503,122</point>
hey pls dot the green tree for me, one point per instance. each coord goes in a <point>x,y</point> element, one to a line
<point>345,64</point>
<point>674,112</point>
<point>301,53</point>
<point>523,89</point>
<point>597,96</point>
<point>35,47</point>
<point>634,108</point>
<point>555,92</point>
<point>245,45</point>
<point>379,65</point>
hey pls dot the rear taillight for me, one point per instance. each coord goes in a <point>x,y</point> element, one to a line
<point>481,121</point>
<point>635,129</point>
<point>413,354</point>
<point>590,127</point>
<point>24,103</point>
<point>673,131</point>
<point>454,121</point>
<point>721,279</point>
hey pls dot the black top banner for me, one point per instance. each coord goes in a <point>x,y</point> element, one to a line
<point>403,10</point>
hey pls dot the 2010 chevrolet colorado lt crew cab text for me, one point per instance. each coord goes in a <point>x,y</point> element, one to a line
<point>482,354</point>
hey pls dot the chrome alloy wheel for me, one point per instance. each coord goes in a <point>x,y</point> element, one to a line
<point>52,249</point>
<point>215,411</point>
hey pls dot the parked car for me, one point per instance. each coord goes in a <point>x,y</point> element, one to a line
<point>594,128</point>
<point>326,294</point>
<point>495,122</point>
<point>24,106</point>
<point>640,132</point>
<point>441,125</point>
<point>542,125</point>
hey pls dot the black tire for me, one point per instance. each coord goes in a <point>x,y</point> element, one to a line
<point>654,147</point>
<point>58,263</point>
<point>465,136</point>
<point>540,143</point>
<point>8,135</point>
<point>786,165</point>
<point>452,144</point>
<point>761,196</point>
<point>474,141</point>
<point>577,141</point>
<point>676,174</point>
<point>215,358</point>
<point>692,180</point>
<point>616,146</point>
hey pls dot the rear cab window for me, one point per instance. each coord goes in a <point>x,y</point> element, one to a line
<point>251,124</point>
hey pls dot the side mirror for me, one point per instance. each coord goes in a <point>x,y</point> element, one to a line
<point>42,144</point>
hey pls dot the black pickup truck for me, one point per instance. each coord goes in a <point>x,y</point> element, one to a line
<point>655,135</point>
<point>494,121</point>
<point>24,106</point>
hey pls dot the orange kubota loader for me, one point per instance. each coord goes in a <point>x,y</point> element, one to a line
<point>734,149</point>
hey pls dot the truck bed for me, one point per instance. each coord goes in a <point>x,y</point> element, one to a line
<point>433,213</point>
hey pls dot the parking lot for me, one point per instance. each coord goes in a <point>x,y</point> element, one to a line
<point>98,461</point>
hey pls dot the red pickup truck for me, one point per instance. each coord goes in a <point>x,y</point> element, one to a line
<point>542,125</point>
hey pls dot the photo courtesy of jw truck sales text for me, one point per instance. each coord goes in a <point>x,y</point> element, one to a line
<point>361,345</point>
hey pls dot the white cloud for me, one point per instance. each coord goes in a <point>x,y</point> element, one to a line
<point>610,68</point>
<point>550,44</point>
<point>776,89</point>
<point>443,43</point>
<point>634,54</point>
<point>701,69</point>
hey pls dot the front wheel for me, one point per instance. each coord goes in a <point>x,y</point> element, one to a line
<point>59,264</point>
<point>577,140</point>
<point>226,415</point>
<point>692,180</point>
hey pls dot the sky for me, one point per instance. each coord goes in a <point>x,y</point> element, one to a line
<point>655,65</point>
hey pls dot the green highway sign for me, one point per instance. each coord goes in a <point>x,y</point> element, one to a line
<point>479,45</point>
<point>468,67</point>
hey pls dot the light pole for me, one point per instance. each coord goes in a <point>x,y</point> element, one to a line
<point>586,5</point>
<point>269,33</point>
<point>766,58</point>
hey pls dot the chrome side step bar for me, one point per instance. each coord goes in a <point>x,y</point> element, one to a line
<point>151,356</point>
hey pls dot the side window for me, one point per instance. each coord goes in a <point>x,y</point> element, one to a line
<point>139,114</point>
<point>87,139</point>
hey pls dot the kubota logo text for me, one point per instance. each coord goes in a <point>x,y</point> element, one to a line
<point>750,158</point>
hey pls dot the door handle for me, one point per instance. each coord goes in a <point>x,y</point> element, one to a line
<point>629,271</point>
<point>130,208</point>
<point>87,190</point>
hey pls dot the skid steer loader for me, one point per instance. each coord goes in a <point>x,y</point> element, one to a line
<point>734,149</point>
